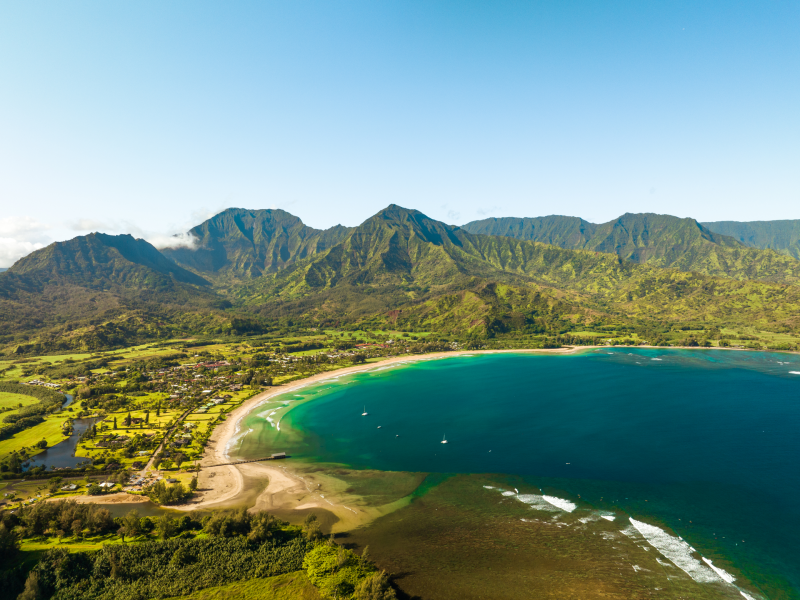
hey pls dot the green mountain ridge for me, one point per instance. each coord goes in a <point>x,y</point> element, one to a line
<point>399,268</point>
<point>400,260</point>
<point>660,240</point>
<point>101,260</point>
<point>780,236</point>
<point>244,244</point>
<point>95,279</point>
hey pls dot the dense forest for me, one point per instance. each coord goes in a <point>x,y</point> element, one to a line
<point>164,557</point>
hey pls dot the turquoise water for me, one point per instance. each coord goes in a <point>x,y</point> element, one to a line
<point>704,442</point>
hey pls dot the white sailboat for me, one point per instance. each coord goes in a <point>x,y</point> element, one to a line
<point>444,439</point>
<point>364,414</point>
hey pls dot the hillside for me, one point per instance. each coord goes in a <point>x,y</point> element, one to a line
<point>397,269</point>
<point>659,240</point>
<point>780,236</point>
<point>244,244</point>
<point>99,288</point>
<point>400,262</point>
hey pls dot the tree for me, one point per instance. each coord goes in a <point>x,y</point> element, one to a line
<point>165,527</point>
<point>375,587</point>
<point>147,417</point>
<point>42,444</point>
<point>359,358</point>
<point>9,543</point>
<point>94,489</point>
<point>55,483</point>
<point>130,525</point>
<point>166,463</point>
<point>179,458</point>
<point>127,420</point>
<point>311,528</point>
<point>193,484</point>
<point>32,589</point>
<point>262,525</point>
<point>115,422</point>
<point>77,528</point>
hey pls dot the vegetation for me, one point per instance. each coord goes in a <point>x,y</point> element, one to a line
<point>780,236</point>
<point>264,273</point>
<point>166,557</point>
<point>660,240</point>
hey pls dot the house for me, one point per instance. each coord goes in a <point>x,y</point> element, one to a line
<point>137,464</point>
<point>107,485</point>
<point>278,455</point>
<point>170,480</point>
<point>70,487</point>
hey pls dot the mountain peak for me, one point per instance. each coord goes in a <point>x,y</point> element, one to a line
<point>244,243</point>
<point>119,257</point>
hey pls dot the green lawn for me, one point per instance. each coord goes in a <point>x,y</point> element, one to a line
<point>292,586</point>
<point>49,430</point>
<point>9,400</point>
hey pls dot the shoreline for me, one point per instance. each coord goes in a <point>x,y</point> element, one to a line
<point>287,491</point>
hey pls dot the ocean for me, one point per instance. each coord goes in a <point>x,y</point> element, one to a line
<point>705,444</point>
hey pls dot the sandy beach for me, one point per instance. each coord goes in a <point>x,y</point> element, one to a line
<point>274,487</point>
<point>287,491</point>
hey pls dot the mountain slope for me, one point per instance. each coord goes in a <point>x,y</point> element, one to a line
<point>659,240</point>
<point>400,260</point>
<point>95,279</point>
<point>780,236</point>
<point>101,261</point>
<point>244,244</point>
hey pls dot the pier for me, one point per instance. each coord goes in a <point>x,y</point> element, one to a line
<point>278,456</point>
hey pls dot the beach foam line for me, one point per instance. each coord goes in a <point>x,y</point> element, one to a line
<point>608,517</point>
<point>794,372</point>
<point>561,503</point>
<point>724,575</point>
<point>677,551</point>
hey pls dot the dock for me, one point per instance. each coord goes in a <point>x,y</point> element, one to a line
<point>278,456</point>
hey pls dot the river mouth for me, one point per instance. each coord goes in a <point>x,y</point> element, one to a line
<point>699,444</point>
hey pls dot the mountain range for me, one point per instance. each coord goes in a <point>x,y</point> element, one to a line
<point>257,270</point>
<point>663,241</point>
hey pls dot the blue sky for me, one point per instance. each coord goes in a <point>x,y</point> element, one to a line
<point>146,117</point>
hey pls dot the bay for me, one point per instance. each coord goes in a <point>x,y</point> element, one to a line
<point>703,442</point>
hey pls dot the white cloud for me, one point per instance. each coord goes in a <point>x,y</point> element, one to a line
<point>23,228</point>
<point>11,250</point>
<point>19,236</point>
<point>178,240</point>
<point>174,238</point>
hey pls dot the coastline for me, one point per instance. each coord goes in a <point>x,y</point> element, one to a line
<point>289,492</point>
<point>286,491</point>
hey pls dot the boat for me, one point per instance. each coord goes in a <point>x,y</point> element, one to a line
<point>364,414</point>
<point>379,426</point>
<point>444,439</point>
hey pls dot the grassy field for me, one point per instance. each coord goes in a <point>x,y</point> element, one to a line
<point>292,586</point>
<point>9,400</point>
<point>50,430</point>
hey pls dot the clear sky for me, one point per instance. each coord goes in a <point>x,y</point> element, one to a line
<point>147,117</point>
